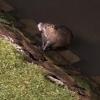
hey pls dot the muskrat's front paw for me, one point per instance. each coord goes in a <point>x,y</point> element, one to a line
<point>44,49</point>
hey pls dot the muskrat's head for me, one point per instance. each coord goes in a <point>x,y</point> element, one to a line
<point>44,26</point>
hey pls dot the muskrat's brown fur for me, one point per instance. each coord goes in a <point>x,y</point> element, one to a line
<point>54,35</point>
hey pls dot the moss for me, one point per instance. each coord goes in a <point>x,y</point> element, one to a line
<point>83,82</point>
<point>7,18</point>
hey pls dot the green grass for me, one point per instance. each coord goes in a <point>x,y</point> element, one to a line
<point>20,80</point>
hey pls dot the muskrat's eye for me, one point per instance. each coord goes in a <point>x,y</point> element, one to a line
<point>52,26</point>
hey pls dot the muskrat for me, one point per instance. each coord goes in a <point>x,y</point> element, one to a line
<point>55,36</point>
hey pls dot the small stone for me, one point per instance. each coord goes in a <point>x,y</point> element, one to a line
<point>30,26</point>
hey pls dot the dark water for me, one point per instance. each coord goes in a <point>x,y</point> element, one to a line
<point>82,16</point>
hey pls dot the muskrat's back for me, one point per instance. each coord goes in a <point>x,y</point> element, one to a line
<point>60,36</point>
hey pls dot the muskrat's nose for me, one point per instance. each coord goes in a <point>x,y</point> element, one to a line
<point>40,25</point>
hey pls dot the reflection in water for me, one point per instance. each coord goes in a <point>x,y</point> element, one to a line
<point>90,56</point>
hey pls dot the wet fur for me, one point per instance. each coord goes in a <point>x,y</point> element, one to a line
<point>55,36</point>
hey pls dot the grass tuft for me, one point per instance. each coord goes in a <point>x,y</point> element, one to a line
<point>20,80</point>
